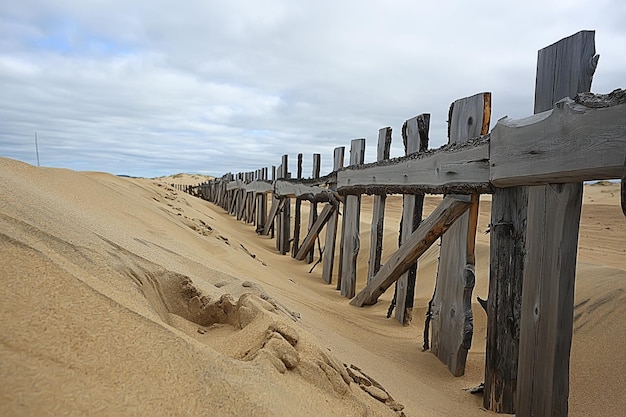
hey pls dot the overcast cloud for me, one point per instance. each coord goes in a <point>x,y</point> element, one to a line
<point>150,88</point>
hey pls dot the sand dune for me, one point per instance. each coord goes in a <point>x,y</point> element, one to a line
<point>126,297</point>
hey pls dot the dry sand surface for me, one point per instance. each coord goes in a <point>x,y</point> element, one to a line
<point>125,297</point>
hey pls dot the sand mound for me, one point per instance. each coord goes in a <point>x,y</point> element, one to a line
<point>111,307</point>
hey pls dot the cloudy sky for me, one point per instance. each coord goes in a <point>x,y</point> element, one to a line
<point>151,87</point>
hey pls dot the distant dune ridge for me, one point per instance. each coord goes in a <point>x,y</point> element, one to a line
<point>124,296</point>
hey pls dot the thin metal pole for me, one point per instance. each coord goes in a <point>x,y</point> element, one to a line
<point>37,148</point>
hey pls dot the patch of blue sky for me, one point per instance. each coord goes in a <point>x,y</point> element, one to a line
<point>68,38</point>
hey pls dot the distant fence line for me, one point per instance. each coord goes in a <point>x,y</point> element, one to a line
<point>534,168</point>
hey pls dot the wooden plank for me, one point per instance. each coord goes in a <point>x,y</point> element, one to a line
<point>285,214</point>
<point>313,208</point>
<point>506,268</point>
<point>331,228</point>
<point>300,190</point>
<point>298,214</point>
<point>547,313</point>
<point>572,142</point>
<point>452,317</point>
<point>415,138</point>
<point>351,241</point>
<point>259,186</point>
<point>547,304</point>
<point>378,211</point>
<point>439,221</point>
<point>309,241</point>
<point>450,169</point>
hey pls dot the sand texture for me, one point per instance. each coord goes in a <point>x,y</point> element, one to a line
<point>123,296</point>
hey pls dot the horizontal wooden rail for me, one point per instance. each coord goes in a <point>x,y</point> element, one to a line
<point>570,143</point>
<point>450,169</point>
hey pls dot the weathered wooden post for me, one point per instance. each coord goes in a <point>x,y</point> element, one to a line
<point>298,214</point>
<point>313,208</point>
<point>331,227</point>
<point>351,227</point>
<point>563,69</point>
<point>378,211</point>
<point>452,319</point>
<point>285,215</point>
<point>415,139</point>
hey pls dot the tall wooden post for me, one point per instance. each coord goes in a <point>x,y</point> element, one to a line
<point>378,213</point>
<point>313,209</point>
<point>285,215</point>
<point>415,139</point>
<point>452,318</point>
<point>563,69</point>
<point>351,230</point>
<point>331,227</point>
<point>298,214</point>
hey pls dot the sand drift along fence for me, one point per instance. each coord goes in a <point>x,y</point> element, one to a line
<point>534,168</point>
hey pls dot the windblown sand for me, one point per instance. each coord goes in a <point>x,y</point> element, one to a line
<point>126,297</point>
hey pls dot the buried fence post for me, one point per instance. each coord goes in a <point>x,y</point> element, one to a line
<point>350,238</point>
<point>415,138</point>
<point>378,211</point>
<point>331,228</point>
<point>452,319</point>
<point>313,208</point>
<point>547,312</point>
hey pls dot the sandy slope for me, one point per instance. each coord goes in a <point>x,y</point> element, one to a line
<point>122,297</point>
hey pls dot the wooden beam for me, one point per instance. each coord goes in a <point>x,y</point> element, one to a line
<point>259,186</point>
<point>450,169</point>
<point>415,138</point>
<point>452,317</point>
<point>378,211</point>
<point>331,229</point>
<point>547,314</point>
<point>300,190</point>
<point>439,221</point>
<point>235,185</point>
<point>350,232</point>
<point>309,241</point>
<point>571,142</point>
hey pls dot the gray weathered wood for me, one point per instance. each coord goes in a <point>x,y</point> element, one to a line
<point>439,221</point>
<point>300,190</point>
<point>452,318</point>
<point>313,208</point>
<point>285,214</point>
<point>563,69</point>
<point>451,169</point>
<point>331,228</point>
<point>298,214</point>
<point>259,186</point>
<point>415,138</point>
<point>548,300</point>
<point>351,241</point>
<point>309,241</point>
<point>378,211</point>
<point>569,143</point>
<point>507,245</point>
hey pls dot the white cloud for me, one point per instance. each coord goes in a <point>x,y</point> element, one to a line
<point>150,88</point>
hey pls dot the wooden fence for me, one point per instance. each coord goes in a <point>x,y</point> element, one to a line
<point>534,167</point>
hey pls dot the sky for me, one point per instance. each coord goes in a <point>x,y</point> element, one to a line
<point>150,88</point>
